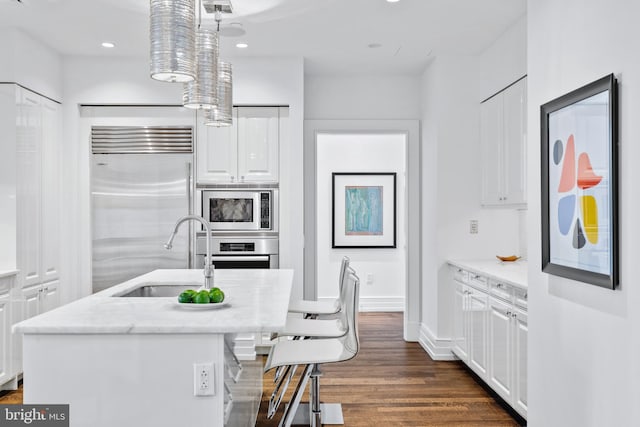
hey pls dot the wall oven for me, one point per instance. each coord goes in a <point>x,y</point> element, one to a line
<point>240,209</point>
<point>239,251</point>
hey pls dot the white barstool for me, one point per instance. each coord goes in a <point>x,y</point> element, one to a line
<point>321,327</point>
<point>312,353</point>
<point>315,308</point>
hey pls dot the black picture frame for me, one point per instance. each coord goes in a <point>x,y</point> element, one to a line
<point>579,183</point>
<point>363,215</point>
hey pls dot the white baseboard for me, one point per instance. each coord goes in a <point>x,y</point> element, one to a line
<point>371,304</point>
<point>438,348</point>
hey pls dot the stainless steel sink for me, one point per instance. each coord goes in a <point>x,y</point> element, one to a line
<point>159,290</point>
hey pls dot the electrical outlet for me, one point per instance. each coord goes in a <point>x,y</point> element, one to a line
<point>369,279</point>
<point>203,384</point>
<point>473,226</point>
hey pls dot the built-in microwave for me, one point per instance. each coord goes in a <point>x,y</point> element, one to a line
<point>241,209</point>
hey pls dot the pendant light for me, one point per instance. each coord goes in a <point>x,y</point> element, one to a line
<point>172,40</point>
<point>202,92</point>
<point>222,114</point>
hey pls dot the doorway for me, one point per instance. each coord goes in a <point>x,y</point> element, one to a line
<point>390,277</point>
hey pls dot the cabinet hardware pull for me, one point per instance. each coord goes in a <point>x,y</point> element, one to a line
<point>500,285</point>
<point>526,295</point>
<point>514,315</point>
<point>508,313</point>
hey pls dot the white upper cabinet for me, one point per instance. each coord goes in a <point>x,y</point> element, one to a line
<point>29,181</point>
<point>51,183</point>
<point>258,137</point>
<point>217,151</point>
<point>38,187</point>
<point>503,138</point>
<point>247,151</point>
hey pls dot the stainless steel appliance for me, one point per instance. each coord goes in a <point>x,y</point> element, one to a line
<point>141,182</point>
<point>240,209</point>
<point>239,251</point>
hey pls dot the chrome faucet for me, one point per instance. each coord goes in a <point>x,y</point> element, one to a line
<point>208,266</point>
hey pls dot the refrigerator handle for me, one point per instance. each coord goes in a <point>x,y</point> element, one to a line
<point>190,212</point>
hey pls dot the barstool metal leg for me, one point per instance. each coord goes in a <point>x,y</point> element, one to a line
<point>278,394</point>
<point>315,413</point>
<point>292,408</point>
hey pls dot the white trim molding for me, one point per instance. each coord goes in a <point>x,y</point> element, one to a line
<point>438,348</point>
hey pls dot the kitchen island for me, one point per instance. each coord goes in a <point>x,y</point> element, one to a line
<point>129,361</point>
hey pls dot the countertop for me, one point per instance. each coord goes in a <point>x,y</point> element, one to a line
<point>513,273</point>
<point>7,273</point>
<point>258,302</point>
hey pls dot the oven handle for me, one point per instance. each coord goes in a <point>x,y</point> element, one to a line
<point>241,258</point>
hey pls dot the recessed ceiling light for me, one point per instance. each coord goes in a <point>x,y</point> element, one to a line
<point>108,45</point>
<point>393,1</point>
<point>374,45</point>
<point>242,45</point>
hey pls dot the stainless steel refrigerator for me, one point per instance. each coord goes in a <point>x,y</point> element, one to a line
<point>141,183</point>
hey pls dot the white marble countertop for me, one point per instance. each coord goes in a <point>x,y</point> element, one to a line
<point>513,273</point>
<point>7,273</point>
<point>258,302</point>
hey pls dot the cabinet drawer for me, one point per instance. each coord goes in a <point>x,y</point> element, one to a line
<point>502,291</point>
<point>521,297</point>
<point>478,281</point>
<point>460,275</point>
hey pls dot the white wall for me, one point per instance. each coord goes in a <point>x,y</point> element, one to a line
<point>451,185</point>
<point>88,80</point>
<point>349,152</point>
<point>363,97</point>
<point>584,341</point>
<point>30,63</point>
<point>504,62</point>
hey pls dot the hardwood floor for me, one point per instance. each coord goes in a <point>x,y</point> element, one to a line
<point>393,383</point>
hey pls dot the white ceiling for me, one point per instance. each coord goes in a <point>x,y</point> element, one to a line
<point>332,35</point>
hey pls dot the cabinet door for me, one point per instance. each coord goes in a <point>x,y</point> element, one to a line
<point>500,348</point>
<point>258,136</point>
<point>478,306</point>
<point>29,130</point>
<point>520,336</point>
<point>50,260</point>
<point>514,152</point>
<point>50,296</point>
<point>491,135</point>
<point>31,298</point>
<point>217,152</point>
<point>459,317</point>
<point>5,335</point>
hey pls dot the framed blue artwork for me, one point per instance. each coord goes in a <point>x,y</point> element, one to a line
<point>364,210</point>
<point>580,184</point>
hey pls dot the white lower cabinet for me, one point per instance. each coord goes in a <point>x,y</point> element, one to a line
<point>501,357</point>
<point>5,335</point>
<point>34,300</point>
<point>460,327</point>
<point>521,333</point>
<point>490,334</point>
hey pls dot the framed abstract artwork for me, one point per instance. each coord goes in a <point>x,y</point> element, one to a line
<point>580,184</point>
<point>363,210</point>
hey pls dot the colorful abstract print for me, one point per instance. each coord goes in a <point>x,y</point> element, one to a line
<point>363,210</point>
<point>583,226</point>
